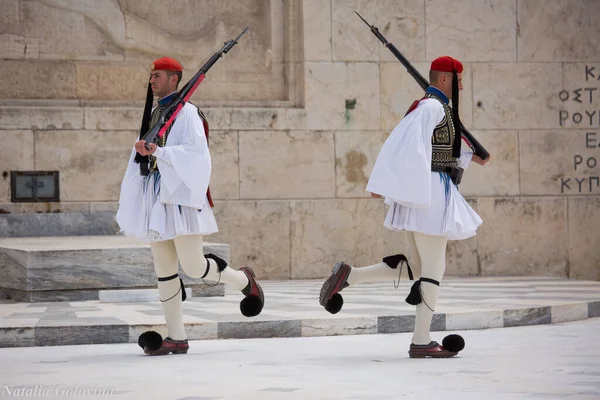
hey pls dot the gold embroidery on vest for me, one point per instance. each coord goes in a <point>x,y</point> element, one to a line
<point>443,138</point>
<point>161,141</point>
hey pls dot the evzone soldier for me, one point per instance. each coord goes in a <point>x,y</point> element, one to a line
<point>165,201</point>
<point>417,172</point>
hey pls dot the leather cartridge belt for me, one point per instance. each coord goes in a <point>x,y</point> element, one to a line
<point>455,173</point>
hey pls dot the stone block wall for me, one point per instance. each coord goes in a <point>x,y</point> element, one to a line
<point>300,108</point>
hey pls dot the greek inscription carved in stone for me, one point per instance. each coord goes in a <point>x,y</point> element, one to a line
<point>586,95</point>
<point>585,162</point>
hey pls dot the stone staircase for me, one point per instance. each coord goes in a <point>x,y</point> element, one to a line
<point>80,256</point>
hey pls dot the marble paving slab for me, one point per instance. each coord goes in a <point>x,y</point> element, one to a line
<point>292,310</point>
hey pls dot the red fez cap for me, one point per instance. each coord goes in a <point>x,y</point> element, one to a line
<point>446,64</point>
<point>166,64</point>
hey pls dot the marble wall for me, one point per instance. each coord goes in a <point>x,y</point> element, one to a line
<point>299,110</point>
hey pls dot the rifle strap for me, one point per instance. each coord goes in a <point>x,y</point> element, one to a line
<point>414,105</point>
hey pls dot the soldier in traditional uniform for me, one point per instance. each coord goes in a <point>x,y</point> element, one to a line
<point>417,172</point>
<point>165,201</point>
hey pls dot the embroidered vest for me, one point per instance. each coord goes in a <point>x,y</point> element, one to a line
<point>442,138</point>
<point>160,141</point>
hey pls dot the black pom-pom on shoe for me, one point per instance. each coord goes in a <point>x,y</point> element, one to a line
<point>453,343</point>
<point>253,303</point>
<point>251,306</point>
<point>150,340</point>
<point>334,305</point>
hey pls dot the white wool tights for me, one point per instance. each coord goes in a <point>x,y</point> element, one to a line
<point>432,250</point>
<point>188,250</point>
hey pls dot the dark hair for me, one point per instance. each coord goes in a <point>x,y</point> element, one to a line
<point>178,73</point>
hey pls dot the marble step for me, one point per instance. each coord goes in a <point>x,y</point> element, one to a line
<point>70,268</point>
<point>57,224</point>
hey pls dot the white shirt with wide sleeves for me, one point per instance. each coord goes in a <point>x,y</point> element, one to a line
<point>173,201</point>
<point>420,200</point>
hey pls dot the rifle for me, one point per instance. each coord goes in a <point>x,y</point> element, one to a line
<point>477,147</point>
<point>166,118</point>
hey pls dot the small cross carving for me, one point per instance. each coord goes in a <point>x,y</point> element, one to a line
<point>34,185</point>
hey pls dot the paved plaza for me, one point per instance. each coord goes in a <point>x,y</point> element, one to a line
<point>527,338</point>
<point>555,361</point>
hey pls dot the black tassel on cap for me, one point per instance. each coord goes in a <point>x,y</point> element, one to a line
<point>140,159</point>
<point>456,117</point>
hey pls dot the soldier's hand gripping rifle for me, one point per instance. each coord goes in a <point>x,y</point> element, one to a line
<point>166,118</point>
<point>477,147</point>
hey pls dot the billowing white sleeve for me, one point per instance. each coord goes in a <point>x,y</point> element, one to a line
<point>132,189</point>
<point>402,171</point>
<point>185,163</point>
<point>465,157</point>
